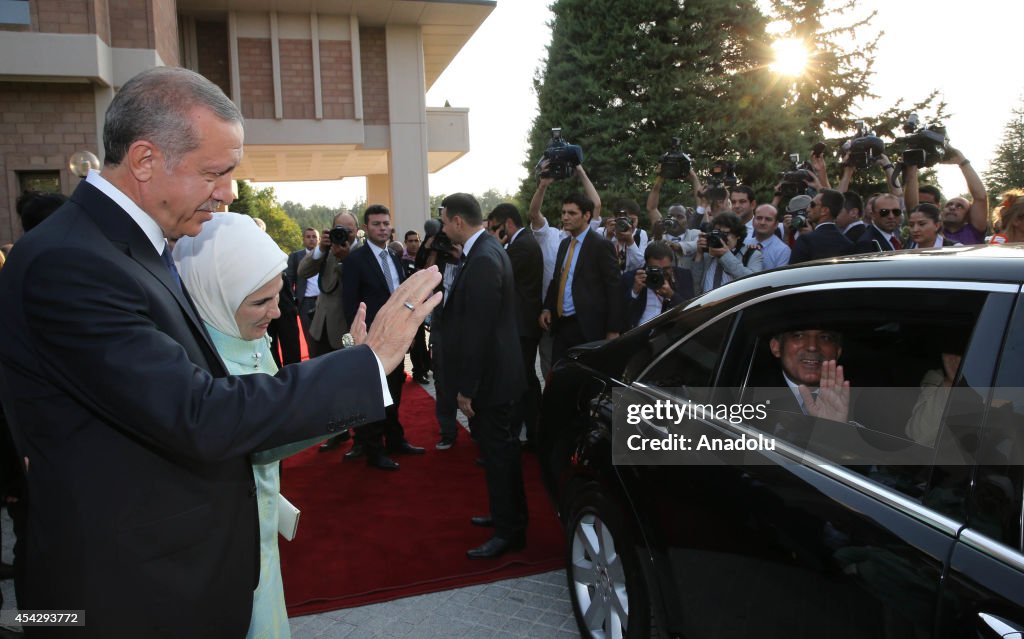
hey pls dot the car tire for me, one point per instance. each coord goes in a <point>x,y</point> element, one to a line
<point>609,596</point>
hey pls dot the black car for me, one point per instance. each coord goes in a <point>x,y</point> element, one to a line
<point>802,541</point>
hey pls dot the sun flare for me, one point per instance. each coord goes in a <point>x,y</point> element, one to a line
<point>791,57</point>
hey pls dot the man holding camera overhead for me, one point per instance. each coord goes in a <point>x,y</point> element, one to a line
<point>655,288</point>
<point>962,221</point>
<point>323,265</point>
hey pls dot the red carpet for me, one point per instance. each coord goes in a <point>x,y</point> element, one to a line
<point>367,535</point>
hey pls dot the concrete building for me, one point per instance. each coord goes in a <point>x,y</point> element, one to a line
<point>329,89</point>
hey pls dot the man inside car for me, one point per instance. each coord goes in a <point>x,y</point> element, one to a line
<point>807,358</point>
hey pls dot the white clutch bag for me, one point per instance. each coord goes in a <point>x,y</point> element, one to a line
<point>287,518</point>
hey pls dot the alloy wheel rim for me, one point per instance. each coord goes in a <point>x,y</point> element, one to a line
<point>598,579</point>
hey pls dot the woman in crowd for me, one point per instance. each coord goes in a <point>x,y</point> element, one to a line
<point>232,270</point>
<point>1011,215</point>
<point>925,225</point>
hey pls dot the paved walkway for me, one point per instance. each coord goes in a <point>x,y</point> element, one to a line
<point>535,607</point>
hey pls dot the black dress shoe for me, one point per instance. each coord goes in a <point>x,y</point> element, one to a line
<point>496,547</point>
<point>355,453</point>
<point>484,521</point>
<point>405,448</point>
<point>333,443</point>
<point>382,462</point>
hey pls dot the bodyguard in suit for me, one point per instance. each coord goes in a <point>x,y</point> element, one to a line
<point>143,508</point>
<point>370,276</point>
<point>643,301</point>
<point>883,232</point>
<point>826,240</point>
<point>324,266</point>
<point>484,369</point>
<point>284,329</point>
<point>304,290</point>
<point>506,225</point>
<point>583,302</point>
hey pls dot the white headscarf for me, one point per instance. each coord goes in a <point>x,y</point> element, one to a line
<point>229,259</point>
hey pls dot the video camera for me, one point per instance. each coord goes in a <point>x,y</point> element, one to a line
<point>673,226</point>
<point>562,158</point>
<point>441,242</point>
<point>340,235</point>
<point>795,181</point>
<point>721,176</point>
<point>925,145</point>
<point>864,148</point>
<point>622,224</point>
<point>675,165</point>
<point>655,277</point>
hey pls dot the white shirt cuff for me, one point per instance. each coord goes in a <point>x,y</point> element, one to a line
<point>316,255</point>
<point>383,382</point>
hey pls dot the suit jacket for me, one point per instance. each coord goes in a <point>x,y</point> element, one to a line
<point>363,281</point>
<point>866,243</point>
<point>682,289</point>
<point>143,502</point>
<point>528,271</point>
<point>826,240</point>
<point>854,233</point>
<point>595,287</point>
<point>328,316</point>
<point>480,361</point>
<point>295,283</point>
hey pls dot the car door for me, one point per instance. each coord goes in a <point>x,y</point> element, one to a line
<point>983,595</point>
<point>788,546</point>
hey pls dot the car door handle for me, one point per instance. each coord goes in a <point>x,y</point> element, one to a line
<point>1001,627</point>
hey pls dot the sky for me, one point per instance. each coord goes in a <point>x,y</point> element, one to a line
<point>954,46</point>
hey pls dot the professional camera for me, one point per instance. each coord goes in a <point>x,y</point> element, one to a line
<point>442,243</point>
<point>797,207</point>
<point>675,165</point>
<point>864,149</point>
<point>673,226</point>
<point>721,176</point>
<point>717,239</point>
<point>925,145</point>
<point>340,235</point>
<point>795,180</point>
<point>562,158</point>
<point>623,224</point>
<point>655,277</point>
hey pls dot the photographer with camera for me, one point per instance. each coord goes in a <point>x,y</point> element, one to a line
<point>963,221</point>
<point>629,241</point>
<point>721,256</point>
<point>656,287</point>
<point>826,240</point>
<point>324,265</point>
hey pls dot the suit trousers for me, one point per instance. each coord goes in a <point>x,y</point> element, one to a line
<point>419,354</point>
<point>388,433</point>
<point>285,331</point>
<point>527,409</point>
<point>493,431</point>
<point>445,407</point>
<point>565,333</point>
<point>306,310</point>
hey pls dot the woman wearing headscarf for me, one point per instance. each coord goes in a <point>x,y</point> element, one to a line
<point>232,270</point>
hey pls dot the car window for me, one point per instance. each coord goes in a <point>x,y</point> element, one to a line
<point>890,343</point>
<point>690,364</point>
<point>996,500</point>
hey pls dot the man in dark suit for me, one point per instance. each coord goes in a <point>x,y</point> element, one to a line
<point>136,444</point>
<point>484,369</point>
<point>370,276</point>
<point>305,290</point>
<point>883,232</point>
<point>644,302</point>
<point>583,301</point>
<point>506,225</point>
<point>826,240</point>
<point>284,329</point>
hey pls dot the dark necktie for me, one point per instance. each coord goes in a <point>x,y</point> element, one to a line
<point>169,263</point>
<point>896,244</point>
<point>716,279</point>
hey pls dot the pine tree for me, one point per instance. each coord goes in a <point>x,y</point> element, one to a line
<point>1006,170</point>
<point>263,204</point>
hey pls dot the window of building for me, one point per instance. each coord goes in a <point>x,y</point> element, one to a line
<point>41,181</point>
<point>15,12</point>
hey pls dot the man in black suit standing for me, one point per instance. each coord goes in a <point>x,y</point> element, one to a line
<point>883,232</point>
<point>506,225</point>
<point>284,330</point>
<point>583,303</point>
<point>136,442</point>
<point>826,240</point>
<point>646,298</point>
<point>370,276</point>
<point>304,290</point>
<point>484,370</point>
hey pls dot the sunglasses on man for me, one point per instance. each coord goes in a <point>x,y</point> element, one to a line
<point>888,212</point>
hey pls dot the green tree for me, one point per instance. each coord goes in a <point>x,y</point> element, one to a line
<point>263,205</point>
<point>1006,170</point>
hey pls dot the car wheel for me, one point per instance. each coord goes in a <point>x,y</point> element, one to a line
<point>609,597</point>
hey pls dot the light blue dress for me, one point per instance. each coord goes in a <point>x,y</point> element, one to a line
<point>269,616</point>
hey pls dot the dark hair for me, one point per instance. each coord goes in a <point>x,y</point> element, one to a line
<point>156,105</point>
<point>465,206</point>
<point>629,207</point>
<point>853,200</point>
<point>411,232</point>
<point>931,190</point>
<point>375,209</point>
<point>658,251</point>
<point>506,211</point>
<point>930,210</point>
<point>832,200</point>
<point>734,223</point>
<point>33,207</point>
<point>585,204</point>
<point>743,188</point>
